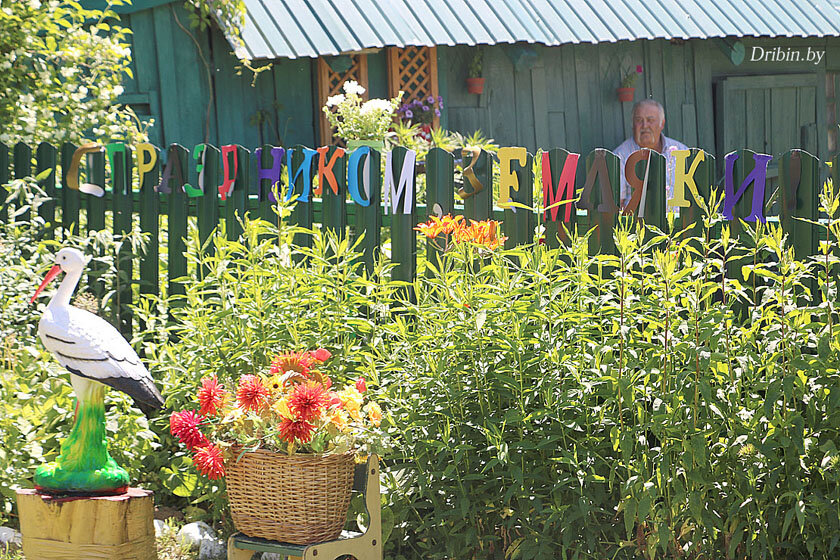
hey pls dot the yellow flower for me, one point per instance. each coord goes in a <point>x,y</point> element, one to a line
<point>275,384</point>
<point>339,420</point>
<point>281,407</point>
<point>374,414</point>
<point>352,400</point>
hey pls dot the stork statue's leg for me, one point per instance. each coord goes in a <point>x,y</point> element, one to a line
<point>84,465</point>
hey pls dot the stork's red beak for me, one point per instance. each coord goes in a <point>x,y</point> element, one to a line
<point>50,275</point>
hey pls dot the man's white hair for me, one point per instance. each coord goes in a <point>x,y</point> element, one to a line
<point>652,103</point>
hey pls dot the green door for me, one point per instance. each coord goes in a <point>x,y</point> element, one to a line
<point>766,114</point>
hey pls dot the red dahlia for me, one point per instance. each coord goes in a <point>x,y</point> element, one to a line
<point>185,426</point>
<point>210,462</point>
<point>308,400</point>
<point>211,396</point>
<point>290,430</point>
<point>252,394</point>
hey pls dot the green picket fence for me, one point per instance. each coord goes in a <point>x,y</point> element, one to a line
<point>125,196</point>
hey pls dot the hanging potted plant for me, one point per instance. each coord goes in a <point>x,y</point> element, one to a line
<point>626,91</point>
<point>475,83</point>
<point>358,122</point>
<point>286,442</point>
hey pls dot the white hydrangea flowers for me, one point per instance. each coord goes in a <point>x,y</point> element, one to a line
<point>355,119</point>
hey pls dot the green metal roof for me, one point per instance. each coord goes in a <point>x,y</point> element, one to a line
<point>300,28</point>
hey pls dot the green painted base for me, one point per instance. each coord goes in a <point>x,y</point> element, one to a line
<point>84,465</point>
<point>53,478</point>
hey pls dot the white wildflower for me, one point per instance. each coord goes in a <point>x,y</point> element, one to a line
<point>352,86</point>
<point>376,106</point>
<point>335,100</point>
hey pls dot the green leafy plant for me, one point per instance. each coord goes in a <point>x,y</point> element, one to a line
<point>474,69</point>
<point>630,75</point>
<point>61,72</point>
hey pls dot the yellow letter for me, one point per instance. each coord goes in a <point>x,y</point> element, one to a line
<point>507,178</point>
<point>682,178</point>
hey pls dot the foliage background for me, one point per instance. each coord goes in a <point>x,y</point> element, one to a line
<point>61,69</point>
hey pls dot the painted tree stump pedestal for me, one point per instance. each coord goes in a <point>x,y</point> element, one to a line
<point>119,527</point>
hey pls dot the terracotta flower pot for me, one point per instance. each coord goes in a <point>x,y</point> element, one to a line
<point>626,93</point>
<point>475,85</point>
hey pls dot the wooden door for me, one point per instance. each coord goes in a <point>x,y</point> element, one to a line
<point>767,114</point>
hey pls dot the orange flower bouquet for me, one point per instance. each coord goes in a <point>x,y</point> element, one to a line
<point>292,408</point>
<point>286,443</point>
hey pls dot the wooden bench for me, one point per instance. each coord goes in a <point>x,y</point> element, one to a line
<point>362,546</point>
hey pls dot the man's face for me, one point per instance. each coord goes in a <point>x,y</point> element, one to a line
<point>647,126</point>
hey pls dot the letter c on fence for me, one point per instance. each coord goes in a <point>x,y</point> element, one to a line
<point>73,171</point>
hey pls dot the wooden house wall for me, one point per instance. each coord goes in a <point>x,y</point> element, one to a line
<point>552,97</point>
<point>565,96</point>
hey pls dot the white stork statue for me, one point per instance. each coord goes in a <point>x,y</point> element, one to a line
<point>95,354</point>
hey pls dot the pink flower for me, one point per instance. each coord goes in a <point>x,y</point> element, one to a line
<point>639,69</point>
<point>361,385</point>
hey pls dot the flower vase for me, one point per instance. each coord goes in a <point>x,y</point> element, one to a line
<point>373,144</point>
<point>626,93</point>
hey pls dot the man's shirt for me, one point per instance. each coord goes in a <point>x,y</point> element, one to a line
<point>626,148</point>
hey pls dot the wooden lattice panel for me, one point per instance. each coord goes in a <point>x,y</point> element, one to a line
<point>414,71</point>
<point>331,83</point>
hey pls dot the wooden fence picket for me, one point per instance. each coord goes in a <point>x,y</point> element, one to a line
<point>23,168</point>
<point>403,236</point>
<point>368,208</point>
<point>207,205</point>
<point>799,178</point>
<point>602,209</point>
<point>96,204</point>
<point>302,214</point>
<point>440,192</point>
<point>177,216</point>
<point>45,158</point>
<point>558,219</point>
<point>71,201</point>
<point>334,202</point>
<point>519,222</point>
<point>120,157</point>
<point>479,205</point>
<point>704,178</point>
<point>4,179</point>
<point>236,204</point>
<point>150,223</point>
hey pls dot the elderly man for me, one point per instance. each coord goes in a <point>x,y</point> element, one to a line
<point>648,122</point>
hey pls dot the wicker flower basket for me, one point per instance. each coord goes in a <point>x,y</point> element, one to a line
<point>299,499</point>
